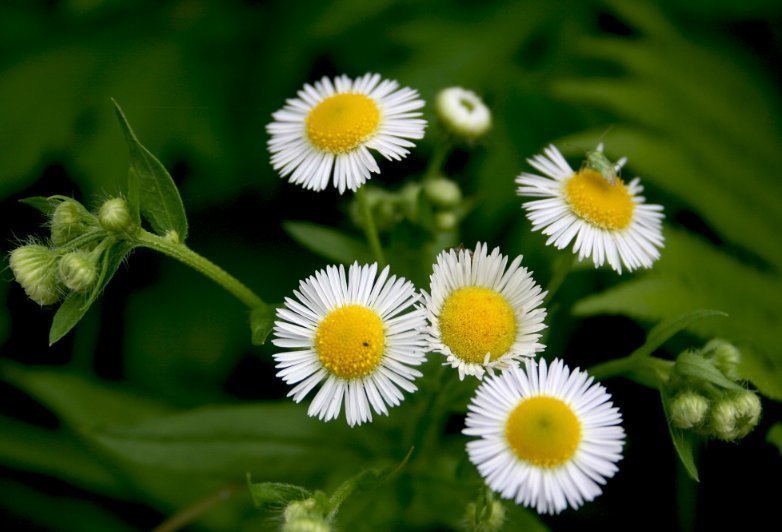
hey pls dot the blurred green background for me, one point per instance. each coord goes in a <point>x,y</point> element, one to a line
<point>158,400</point>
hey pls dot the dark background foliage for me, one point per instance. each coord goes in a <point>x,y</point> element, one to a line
<point>690,91</point>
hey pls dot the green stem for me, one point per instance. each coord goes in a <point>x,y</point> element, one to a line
<point>182,253</point>
<point>648,371</point>
<point>190,514</point>
<point>370,229</point>
<point>440,154</point>
<point>561,271</point>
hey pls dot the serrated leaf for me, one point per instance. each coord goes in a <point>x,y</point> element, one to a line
<point>150,186</point>
<point>774,436</point>
<point>683,441</point>
<point>327,242</point>
<point>277,494</point>
<point>666,329</point>
<point>692,365</point>
<point>261,323</point>
<point>71,311</point>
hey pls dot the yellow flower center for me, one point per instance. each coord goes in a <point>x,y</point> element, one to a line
<point>475,321</point>
<point>599,202</point>
<point>340,123</point>
<point>350,341</point>
<point>543,431</point>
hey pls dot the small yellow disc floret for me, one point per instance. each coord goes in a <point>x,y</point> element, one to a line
<point>475,321</point>
<point>593,198</point>
<point>350,341</point>
<point>342,122</point>
<point>543,431</point>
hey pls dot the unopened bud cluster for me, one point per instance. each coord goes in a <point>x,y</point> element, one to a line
<point>305,516</point>
<point>436,204</point>
<point>69,260</point>
<point>725,413</point>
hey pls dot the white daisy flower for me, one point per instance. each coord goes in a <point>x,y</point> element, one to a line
<point>549,436</point>
<point>359,334</point>
<point>610,221</point>
<point>483,314</point>
<point>463,112</point>
<point>326,133</point>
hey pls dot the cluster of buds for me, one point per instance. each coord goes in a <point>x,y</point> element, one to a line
<point>69,260</point>
<point>436,204</point>
<point>726,412</point>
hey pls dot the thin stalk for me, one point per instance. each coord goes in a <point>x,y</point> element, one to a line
<point>561,271</point>
<point>648,371</point>
<point>185,255</point>
<point>370,229</point>
<point>189,514</point>
<point>440,154</point>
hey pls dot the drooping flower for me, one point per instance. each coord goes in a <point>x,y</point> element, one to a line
<point>609,220</point>
<point>463,113</point>
<point>359,335</point>
<point>548,437</point>
<point>325,133</point>
<point>483,313</point>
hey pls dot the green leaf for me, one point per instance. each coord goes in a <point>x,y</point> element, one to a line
<point>54,453</point>
<point>364,481</point>
<point>663,331</point>
<point>110,263</point>
<point>43,203</point>
<point>774,436</point>
<point>692,365</point>
<point>71,311</point>
<point>261,323</point>
<point>275,494</point>
<point>150,187</point>
<point>82,403</point>
<point>273,440</point>
<point>327,242</point>
<point>683,441</point>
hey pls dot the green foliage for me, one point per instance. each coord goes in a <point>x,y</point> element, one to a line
<point>275,494</point>
<point>774,436</point>
<point>151,190</point>
<point>685,442</point>
<point>329,243</point>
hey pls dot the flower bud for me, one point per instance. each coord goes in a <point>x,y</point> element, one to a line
<point>114,215</point>
<point>722,420</point>
<point>443,193</point>
<point>491,519</point>
<point>304,516</point>
<point>35,269</point>
<point>463,113</point>
<point>445,221</point>
<point>725,356</point>
<point>78,271</point>
<point>688,409</point>
<point>69,220</point>
<point>748,410</point>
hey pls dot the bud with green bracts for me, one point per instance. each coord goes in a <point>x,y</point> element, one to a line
<point>35,269</point>
<point>69,220</point>
<point>78,270</point>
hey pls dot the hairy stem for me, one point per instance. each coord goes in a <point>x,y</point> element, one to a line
<point>185,255</point>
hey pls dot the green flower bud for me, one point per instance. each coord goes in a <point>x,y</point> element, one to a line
<point>114,215</point>
<point>688,409</point>
<point>725,356</point>
<point>491,519</point>
<point>723,420</point>
<point>304,516</point>
<point>443,193</point>
<point>463,113</point>
<point>35,269</point>
<point>69,220</point>
<point>445,221</point>
<point>78,271</point>
<point>748,410</point>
